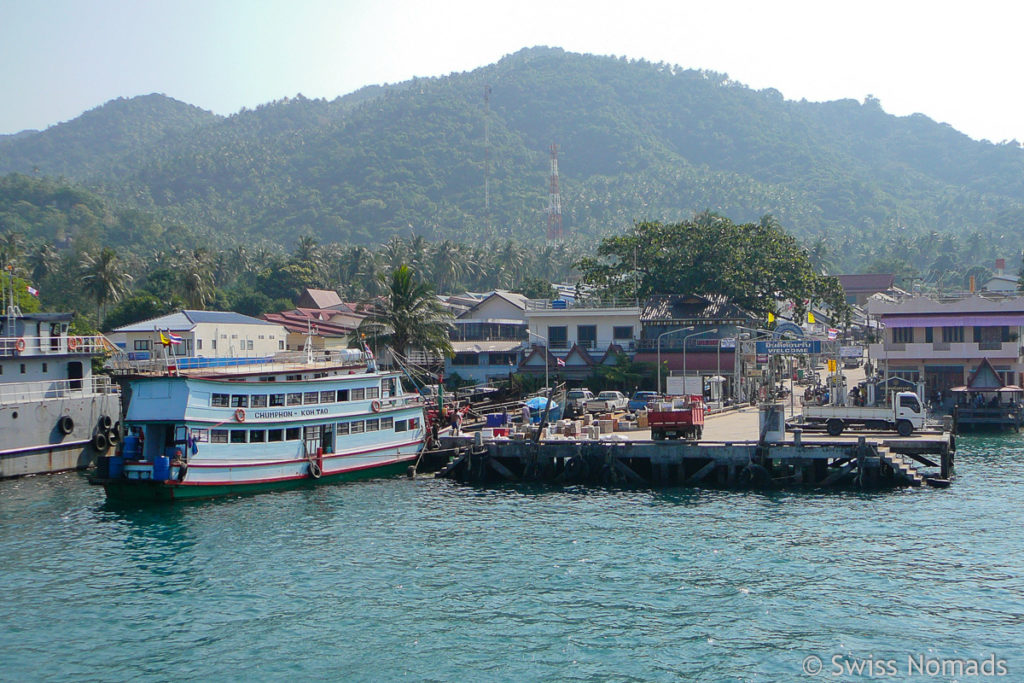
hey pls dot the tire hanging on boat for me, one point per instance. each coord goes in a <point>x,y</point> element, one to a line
<point>66,425</point>
<point>100,442</point>
<point>314,470</point>
<point>106,423</point>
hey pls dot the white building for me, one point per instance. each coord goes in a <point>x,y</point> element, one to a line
<point>205,334</point>
<point>592,326</point>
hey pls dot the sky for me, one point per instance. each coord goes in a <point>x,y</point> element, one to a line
<point>957,63</point>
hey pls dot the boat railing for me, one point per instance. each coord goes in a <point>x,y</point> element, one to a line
<point>92,345</point>
<point>132,364</point>
<point>17,392</point>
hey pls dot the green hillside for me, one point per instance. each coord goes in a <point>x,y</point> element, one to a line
<point>636,140</point>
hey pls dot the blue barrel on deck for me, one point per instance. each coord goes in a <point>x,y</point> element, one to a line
<point>115,466</point>
<point>161,468</point>
<point>131,448</point>
<point>495,419</point>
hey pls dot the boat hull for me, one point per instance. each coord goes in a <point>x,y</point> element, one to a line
<point>148,490</point>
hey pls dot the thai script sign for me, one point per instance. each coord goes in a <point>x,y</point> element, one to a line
<point>789,346</point>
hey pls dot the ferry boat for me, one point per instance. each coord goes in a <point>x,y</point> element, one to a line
<point>55,415</point>
<point>205,427</point>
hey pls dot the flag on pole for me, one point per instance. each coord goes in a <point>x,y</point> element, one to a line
<point>173,338</point>
<point>369,353</point>
<point>833,333</point>
<point>32,290</point>
<point>560,362</point>
<point>810,318</point>
<point>163,339</point>
<point>771,317</point>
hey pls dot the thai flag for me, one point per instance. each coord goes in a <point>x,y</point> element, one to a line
<point>32,290</point>
<point>833,333</point>
<point>560,362</point>
<point>173,338</point>
<point>369,353</point>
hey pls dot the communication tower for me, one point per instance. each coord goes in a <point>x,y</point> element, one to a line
<point>554,200</point>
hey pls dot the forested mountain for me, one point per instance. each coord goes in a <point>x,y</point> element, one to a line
<point>636,140</point>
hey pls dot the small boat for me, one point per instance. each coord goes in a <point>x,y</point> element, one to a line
<point>200,428</point>
<point>55,415</point>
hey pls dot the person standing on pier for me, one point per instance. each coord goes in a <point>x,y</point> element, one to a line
<point>526,414</point>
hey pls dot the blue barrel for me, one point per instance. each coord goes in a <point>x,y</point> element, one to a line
<point>161,468</point>
<point>115,466</point>
<point>131,450</point>
<point>495,419</point>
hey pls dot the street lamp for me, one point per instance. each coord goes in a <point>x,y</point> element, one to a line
<point>695,334</point>
<point>681,329</point>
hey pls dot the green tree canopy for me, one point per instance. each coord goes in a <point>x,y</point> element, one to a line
<point>409,316</point>
<point>754,264</point>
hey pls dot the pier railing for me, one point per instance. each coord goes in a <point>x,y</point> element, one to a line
<point>17,392</point>
<point>127,364</point>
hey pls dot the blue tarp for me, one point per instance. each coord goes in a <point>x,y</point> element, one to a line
<point>536,405</point>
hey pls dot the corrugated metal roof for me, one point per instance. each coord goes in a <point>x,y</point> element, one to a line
<point>691,307</point>
<point>867,282</point>
<point>187,320</point>
<point>223,318</point>
<point>485,346</point>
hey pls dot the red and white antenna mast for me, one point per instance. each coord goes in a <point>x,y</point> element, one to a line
<point>554,200</point>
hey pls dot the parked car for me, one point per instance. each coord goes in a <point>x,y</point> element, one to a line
<point>640,399</point>
<point>607,401</point>
<point>578,398</point>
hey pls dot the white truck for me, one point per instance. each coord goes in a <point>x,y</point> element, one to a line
<point>607,402</point>
<point>904,415</point>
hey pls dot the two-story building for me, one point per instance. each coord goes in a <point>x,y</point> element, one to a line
<point>205,334</point>
<point>488,338</point>
<point>941,343</point>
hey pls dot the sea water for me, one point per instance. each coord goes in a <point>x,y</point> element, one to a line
<point>430,580</point>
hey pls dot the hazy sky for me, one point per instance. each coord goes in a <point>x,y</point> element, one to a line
<point>958,63</point>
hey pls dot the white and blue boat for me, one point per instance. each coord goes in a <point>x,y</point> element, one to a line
<point>200,428</point>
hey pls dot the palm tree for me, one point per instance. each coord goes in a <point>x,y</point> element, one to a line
<point>104,278</point>
<point>409,316</point>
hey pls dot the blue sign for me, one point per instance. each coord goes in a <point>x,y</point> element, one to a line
<point>791,347</point>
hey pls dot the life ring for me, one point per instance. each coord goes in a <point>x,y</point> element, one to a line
<point>19,345</point>
<point>375,406</point>
<point>100,442</point>
<point>66,425</point>
<point>74,342</point>
<point>106,423</point>
<point>240,415</point>
<point>314,470</point>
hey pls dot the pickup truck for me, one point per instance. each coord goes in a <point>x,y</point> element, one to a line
<point>680,416</point>
<point>578,398</point>
<point>904,415</point>
<point>606,402</point>
<point>640,400</point>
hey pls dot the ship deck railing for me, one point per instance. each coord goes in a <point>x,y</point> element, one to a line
<point>11,347</point>
<point>126,364</point>
<point>21,392</point>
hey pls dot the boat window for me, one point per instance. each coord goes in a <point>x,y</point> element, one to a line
<point>342,395</point>
<point>218,436</point>
<point>291,434</point>
<point>311,398</point>
<point>311,432</point>
<point>358,394</point>
<point>342,428</point>
<point>257,436</point>
<point>414,423</point>
<point>180,434</point>
<point>327,396</point>
<point>276,400</point>
<point>373,424</point>
<point>200,435</point>
<point>239,400</point>
<point>219,400</point>
<point>275,435</point>
<point>356,427</point>
<point>401,425</point>
<point>295,399</point>
<point>259,401</point>
<point>238,436</point>
<point>372,392</point>
<point>386,423</point>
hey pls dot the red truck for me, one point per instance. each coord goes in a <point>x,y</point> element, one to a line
<point>678,416</point>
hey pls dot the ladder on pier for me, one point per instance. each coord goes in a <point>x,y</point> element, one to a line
<point>902,465</point>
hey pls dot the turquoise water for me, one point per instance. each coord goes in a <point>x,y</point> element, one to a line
<point>429,580</point>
